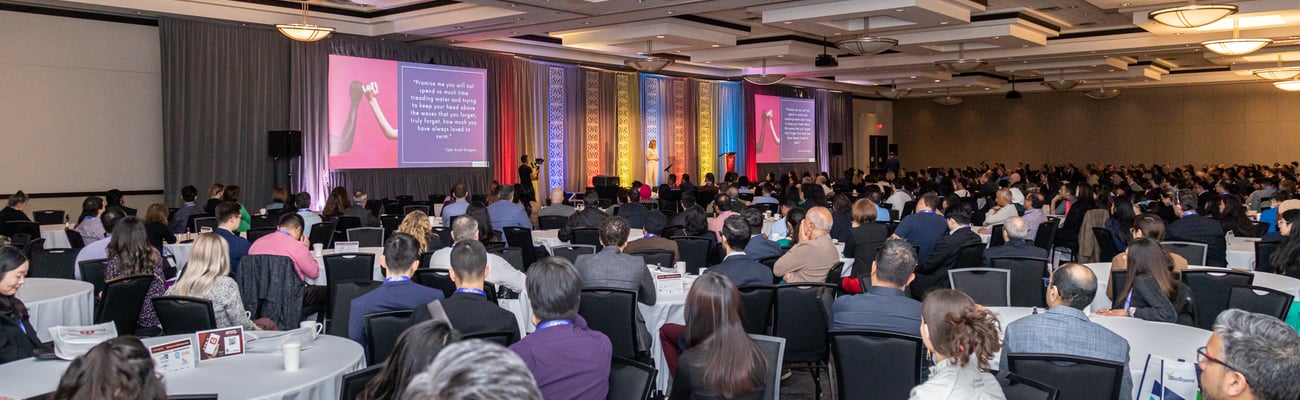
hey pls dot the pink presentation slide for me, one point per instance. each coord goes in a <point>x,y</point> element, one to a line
<point>358,138</point>
<point>767,125</point>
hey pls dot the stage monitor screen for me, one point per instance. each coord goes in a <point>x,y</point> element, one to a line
<point>390,114</point>
<point>784,129</point>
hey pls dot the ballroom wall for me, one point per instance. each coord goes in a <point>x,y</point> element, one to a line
<point>1227,123</point>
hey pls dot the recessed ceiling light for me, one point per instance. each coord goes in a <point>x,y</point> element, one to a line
<point>912,77</point>
<point>780,55</point>
<point>669,12</point>
<point>788,22</point>
<point>835,34</point>
<point>1024,45</point>
<point>458,27</point>
<point>677,51</point>
<point>997,37</point>
<point>986,88</point>
<point>519,19</point>
<point>717,45</point>
<point>512,4</point>
<point>899,10</point>
<point>587,23</point>
<point>937,81</point>
<point>708,62</point>
<point>929,91</point>
<point>514,32</point>
<point>943,22</point>
<point>1093,66</point>
<point>1125,4</point>
<point>659,37</point>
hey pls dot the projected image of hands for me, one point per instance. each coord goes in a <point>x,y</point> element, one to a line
<point>371,91</point>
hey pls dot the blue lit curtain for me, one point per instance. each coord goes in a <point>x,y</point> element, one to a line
<point>729,117</point>
<point>654,123</point>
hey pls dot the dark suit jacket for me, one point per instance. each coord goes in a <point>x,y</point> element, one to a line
<point>841,224</point>
<point>11,214</point>
<point>760,247</point>
<point>743,271</point>
<point>367,219</point>
<point>634,212</point>
<point>1014,248</point>
<point>653,243</point>
<point>611,268</point>
<point>862,246</point>
<point>472,314</point>
<point>1195,228</point>
<point>589,217</point>
<point>1149,300</point>
<point>14,344</point>
<point>933,273</point>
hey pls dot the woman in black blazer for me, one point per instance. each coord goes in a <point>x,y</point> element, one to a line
<point>17,335</point>
<point>1150,289</point>
<point>866,238</point>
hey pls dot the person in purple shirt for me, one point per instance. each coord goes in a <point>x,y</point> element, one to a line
<point>568,359</point>
<point>505,212</point>
<point>401,257</point>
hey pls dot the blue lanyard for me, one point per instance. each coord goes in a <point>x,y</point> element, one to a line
<point>648,235</point>
<point>1189,213</point>
<point>926,211</point>
<point>21,326</point>
<point>188,205</point>
<point>1128,303</point>
<point>479,292</point>
<point>286,233</point>
<point>301,210</point>
<point>397,279</point>
<point>549,324</point>
<point>89,218</point>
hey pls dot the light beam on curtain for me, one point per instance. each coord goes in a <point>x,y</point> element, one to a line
<point>592,148</point>
<point>730,123</point>
<point>679,142</point>
<point>653,111</point>
<point>624,109</point>
<point>705,139</point>
<point>555,133</point>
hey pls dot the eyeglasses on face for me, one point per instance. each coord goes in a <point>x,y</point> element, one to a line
<point>1203,355</point>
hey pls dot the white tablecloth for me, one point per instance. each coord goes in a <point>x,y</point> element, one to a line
<point>550,238</point>
<point>378,273</point>
<point>1262,279</point>
<point>1171,341</point>
<point>250,376</point>
<point>55,237</point>
<point>53,302</point>
<point>668,308</point>
<point>1241,253</point>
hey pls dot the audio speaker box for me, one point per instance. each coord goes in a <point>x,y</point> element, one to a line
<point>837,149</point>
<point>284,144</point>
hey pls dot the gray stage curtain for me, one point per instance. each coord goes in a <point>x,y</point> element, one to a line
<point>834,125</point>
<point>223,88</point>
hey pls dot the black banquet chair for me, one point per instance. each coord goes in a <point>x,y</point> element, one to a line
<point>1077,378</point>
<point>756,308</point>
<point>800,317</point>
<point>587,236</point>
<point>694,251</point>
<point>184,315</point>
<point>382,330</point>
<point>664,259</point>
<point>630,380</point>
<point>612,311</point>
<point>989,287</point>
<point>355,382</point>
<point>367,237</point>
<point>1019,387</point>
<point>549,222</point>
<point>1260,300</point>
<point>49,217</point>
<point>53,263</point>
<point>122,301</point>
<point>339,308</point>
<point>875,365</point>
<point>322,233</point>
<point>572,251</point>
<point>1211,287</point>
<point>1027,286</point>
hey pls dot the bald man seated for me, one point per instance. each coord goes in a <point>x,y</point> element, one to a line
<point>557,206</point>
<point>814,255</point>
<point>1003,210</point>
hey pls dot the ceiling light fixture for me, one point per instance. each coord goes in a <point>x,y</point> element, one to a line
<point>1292,85</point>
<point>1060,84</point>
<point>866,44</point>
<point>304,32</point>
<point>961,64</point>
<point>1279,73</point>
<point>763,78</point>
<point>948,99</point>
<point>650,64</point>
<point>1236,46</point>
<point>1102,93</point>
<point>1013,94</point>
<point>894,93</point>
<point>1192,15</point>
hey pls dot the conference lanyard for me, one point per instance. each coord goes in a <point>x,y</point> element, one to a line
<point>477,291</point>
<point>1128,303</point>
<point>1189,213</point>
<point>23,327</point>
<point>648,235</point>
<point>286,233</point>
<point>397,279</point>
<point>557,322</point>
<point>926,211</point>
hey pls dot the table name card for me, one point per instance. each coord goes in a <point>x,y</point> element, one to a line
<point>221,343</point>
<point>173,356</point>
<point>347,247</point>
<point>669,282</point>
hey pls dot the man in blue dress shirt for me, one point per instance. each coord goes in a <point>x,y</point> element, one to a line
<point>505,212</point>
<point>460,193</point>
<point>401,257</point>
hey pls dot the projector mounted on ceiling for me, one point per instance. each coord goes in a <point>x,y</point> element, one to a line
<point>826,60</point>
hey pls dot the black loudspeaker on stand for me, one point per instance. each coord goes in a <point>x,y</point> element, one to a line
<point>283,147</point>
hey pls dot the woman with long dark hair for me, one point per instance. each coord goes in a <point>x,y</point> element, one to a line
<point>88,224</point>
<point>962,337</point>
<point>480,214</point>
<point>1149,290</point>
<point>1120,223</point>
<point>1286,259</point>
<point>336,203</point>
<point>120,368</point>
<point>415,349</point>
<point>233,193</point>
<point>1232,215</point>
<point>129,254</point>
<point>719,360</point>
<point>793,220</point>
<point>17,335</point>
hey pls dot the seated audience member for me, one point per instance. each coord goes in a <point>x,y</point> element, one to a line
<point>1018,243</point>
<point>469,310</point>
<point>568,360</point>
<point>814,256</point>
<point>719,360</point>
<point>1249,356</point>
<point>129,254</point>
<point>459,203</point>
<point>1286,258</point>
<point>902,195</point>
<point>557,208</point>
<point>1193,227</point>
<point>16,210</point>
<point>180,221</point>
<point>114,197</point>
<point>882,213</point>
<point>932,273</point>
<point>89,225</point>
<point>478,370</point>
<point>923,228</point>
<point>155,223</point>
<point>865,238</point>
<point>842,218</point>
<point>400,259</point>
<point>1147,226</point>
<point>759,247</point>
<point>279,197</point>
<point>227,222</point>
<point>1065,329</point>
<point>232,194</point>
<point>499,271</point>
<point>738,266</point>
<point>1275,234</point>
<point>215,193</point>
<point>119,368</point>
<point>207,276</point>
<point>781,228</point>
<point>335,204</point>
<point>611,268</point>
<point>416,223</point>
<point>290,241</point>
<point>358,209</point>
<point>654,225</point>
<point>479,213</point>
<point>415,348</point>
<point>504,212</point>
<point>765,196</point>
<point>641,191</point>
<point>309,218</point>
<point>884,306</point>
<point>17,334</point>
<point>99,248</point>
<point>725,209</point>
<point>631,210</point>
<point>1150,291</point>
<point>962,337</point>
<point>590,217</point>
<point>1002,210</point>
<point>1033,215</point>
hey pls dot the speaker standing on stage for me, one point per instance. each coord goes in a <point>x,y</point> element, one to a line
<point>652,163</point>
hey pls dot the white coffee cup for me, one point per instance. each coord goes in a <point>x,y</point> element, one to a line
<point>292,355</point>
<point>316,327</point>
<point>317,249</point>
<point>680,266</point>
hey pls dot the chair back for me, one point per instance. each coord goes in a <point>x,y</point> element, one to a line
<point>201,221</point>
<point>774,352</point>
<point>322,233</point>
<point>262,221</point>
<point>53,263</point>
<point>587,236</point>
<point>1046,235</point>
<point>513,256</point>
<point>995,236</point>
<point>444,234</point>
<point>612,312</point>
<point>49,217</point>
<point>339,308</point>
<point>1077,378</point>
<point>522,239</point>
<point>343,222</point>
<point>662,258</point>
<point>630,380</point>
<point>1264,255</point>
<point>1212,287</point>
<point>92,272</point>
<point>572,251</point>
<point>74,239</point>
<point>349,266</point>
<point>1259,300</point>
<point>184,315</point>
<point>1028,287</point>
<point>1194,252</point>
<point>122,301</point>
<point>990,287</point>
<point>800,317</point>
<point>503,338</point>
<point>1019,387</point>
<point>549,222</point>
<point>694,251</point>
<point>1105,243</point>
<point>908,208</point>
<point>875,364</point>
<point>390,223</point>
<point>367,236</point>
<point>355,382</point>
<point>421,208</point>
<point>672,230</point>
<point>382,330</point>
<point>756,308</point>
<point>30,228</point>
<point>257,233</point>
<point>890,227</point>
<point>1118,278</point>
<point>435,278</point>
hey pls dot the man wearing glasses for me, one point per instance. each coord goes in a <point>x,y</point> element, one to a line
<point>1250,356</point>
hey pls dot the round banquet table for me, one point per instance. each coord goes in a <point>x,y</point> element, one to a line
<point>550,238</point>
<point>1241,253</point>
<point>1282,283</point>
<point>250,376</point>
<point>668,308</point>
<point>1144,338</point>
<point>56,237</point>
<point>55,302</point>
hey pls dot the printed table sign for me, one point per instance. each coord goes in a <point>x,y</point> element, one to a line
<point>219,343</point>
<point>173,356</point>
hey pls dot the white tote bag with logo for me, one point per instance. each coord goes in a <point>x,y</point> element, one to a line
<point>1165,379</point>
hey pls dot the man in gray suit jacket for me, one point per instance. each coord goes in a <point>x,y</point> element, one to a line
<point>611,268</point>
<point>358,209</point>
<point>1065,329</point>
